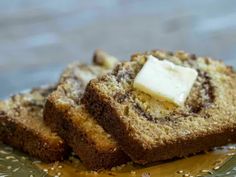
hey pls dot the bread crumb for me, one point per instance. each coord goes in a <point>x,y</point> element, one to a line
<point>133,173</point>
<point>146,175</point>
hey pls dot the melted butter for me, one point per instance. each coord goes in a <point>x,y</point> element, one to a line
<point>199,164</point>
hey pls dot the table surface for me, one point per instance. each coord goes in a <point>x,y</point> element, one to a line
<point>39,38</point>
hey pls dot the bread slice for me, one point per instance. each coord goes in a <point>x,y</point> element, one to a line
<point>65,114</point>
<point>22,126</point>
<point>149,130</point>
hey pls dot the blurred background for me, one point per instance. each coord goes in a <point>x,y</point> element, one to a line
<point>39,38</point>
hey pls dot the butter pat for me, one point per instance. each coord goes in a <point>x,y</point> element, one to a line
<point>165,80</point>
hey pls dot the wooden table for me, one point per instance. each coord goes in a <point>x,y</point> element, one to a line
<point>38,38</point>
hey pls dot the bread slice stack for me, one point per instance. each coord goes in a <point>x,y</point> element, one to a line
<point>47,122</point>
<point>97,112</point>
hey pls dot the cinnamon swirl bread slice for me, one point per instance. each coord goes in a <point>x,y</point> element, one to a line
<point>22,126</point>
<point>65,114</point>
<point>149,130</point>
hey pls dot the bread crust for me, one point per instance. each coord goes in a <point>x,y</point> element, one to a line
<point>110,114</point>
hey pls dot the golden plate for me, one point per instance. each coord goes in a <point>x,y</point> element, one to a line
<point>218,162</point>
